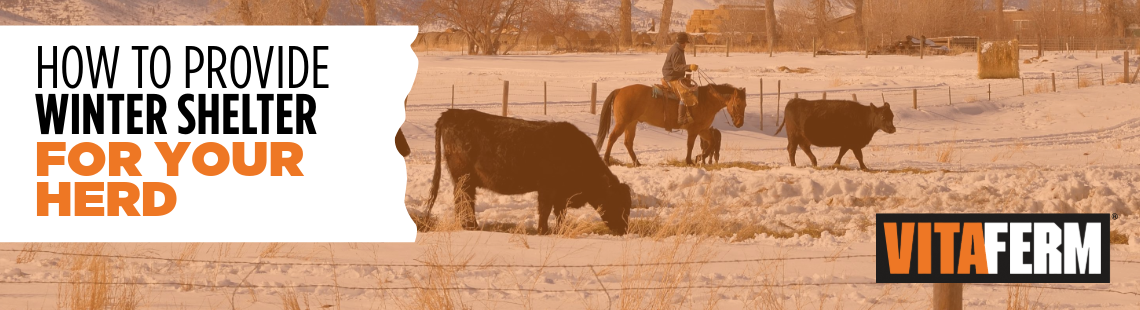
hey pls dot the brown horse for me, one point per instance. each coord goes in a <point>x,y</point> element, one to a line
<point>635,103</point>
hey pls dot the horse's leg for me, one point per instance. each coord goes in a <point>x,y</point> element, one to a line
<point>630,133</point>
<point>792,145</point>
<point>689,147</point>
<point>842,151</point>
<point>614,134</point>
<point>807,150</point>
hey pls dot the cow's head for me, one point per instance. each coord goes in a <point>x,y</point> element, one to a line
<point>615,209</point>
<point>883,118</point>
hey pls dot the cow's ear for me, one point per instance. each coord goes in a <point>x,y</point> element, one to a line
<point>886,104</point>
<point>873,106</point>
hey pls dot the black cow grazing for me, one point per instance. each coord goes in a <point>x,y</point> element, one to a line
<point>511,156</point>
<point>846,124</point>
<point>710,149</point>
<point>402,144</point>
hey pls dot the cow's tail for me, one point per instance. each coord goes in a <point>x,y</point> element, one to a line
<point>785,120</point>
<point>435,175</point>
<point>604,121</point>
<point>781,126</point>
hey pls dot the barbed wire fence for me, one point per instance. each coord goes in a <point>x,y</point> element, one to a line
<point>537,97</point>
<point>600,288</point>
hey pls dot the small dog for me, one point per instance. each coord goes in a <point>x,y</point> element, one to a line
<point>710,149</point>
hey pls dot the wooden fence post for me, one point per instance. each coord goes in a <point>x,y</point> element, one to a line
<point>1101,74</point>
<point>506,92</point>
<point>813,48</point>
<point>728,46</point>
<point>778,93</point>
<point>1054,79</point>
<point>949,96</point>
<point>922,48</point>
<point>543,97</point>
<point>797,95</point>
<point>1022,86</point>
<point>452,96</point>
<point>854,98</point>
<point>947,296</point>
<point>866,48</point>
<point>1126,67</point>
<point>1078,77</point>
<point>824,95</point>
<point>593,98</point>
<point>915,96</point>
<point>989,92</point>
<point>761,104</point>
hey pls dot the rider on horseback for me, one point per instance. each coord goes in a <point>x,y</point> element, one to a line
<point>674,72</point>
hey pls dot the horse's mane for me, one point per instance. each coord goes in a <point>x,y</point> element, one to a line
<point>721,88</point>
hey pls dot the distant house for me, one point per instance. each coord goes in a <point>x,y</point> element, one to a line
<point>727,18</point>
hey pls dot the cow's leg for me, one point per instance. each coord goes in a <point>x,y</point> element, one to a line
<point>807,150</point>
<point>465,203</point>
<point>792,151</point>
<point>617,131</point>
<point>689,148</point>
<point>544,207</point>
<point>842,151</point>
<point>859,156</point>
<point>630,133</point>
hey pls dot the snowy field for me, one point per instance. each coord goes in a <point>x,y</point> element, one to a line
<point>752,233</point>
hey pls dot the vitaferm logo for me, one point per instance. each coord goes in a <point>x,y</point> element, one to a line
<point>992,248</point>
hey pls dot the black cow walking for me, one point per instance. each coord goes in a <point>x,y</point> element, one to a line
<point>511,156</point>
<point>846,124</point>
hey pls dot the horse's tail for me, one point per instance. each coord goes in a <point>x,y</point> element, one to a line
<point>436,174</point>
<point>604,121</point>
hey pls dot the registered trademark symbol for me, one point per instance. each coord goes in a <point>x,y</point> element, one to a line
<point>1115,216</point>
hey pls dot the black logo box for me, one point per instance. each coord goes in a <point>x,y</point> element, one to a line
<point>882,270</point>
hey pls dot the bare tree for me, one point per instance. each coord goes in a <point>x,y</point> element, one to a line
<point>820,16</point>
<point>559,18</point>
<point>369,9</point>
<point>860,33</point>
<point>769,22</point>
<point>482,22</point>
<point>625,35</point>
<point>277,12</point>
<point>666,21</point>
<point>999,24</point>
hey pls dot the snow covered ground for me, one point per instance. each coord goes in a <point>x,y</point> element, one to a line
<point>803,236</point>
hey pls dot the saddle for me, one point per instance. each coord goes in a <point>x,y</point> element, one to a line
<point>664,90</point>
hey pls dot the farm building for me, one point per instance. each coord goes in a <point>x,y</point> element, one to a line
<point>727,18</point>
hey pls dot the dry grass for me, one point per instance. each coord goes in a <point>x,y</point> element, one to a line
<point>1040,87</point>
<point>1009,151</point>
<point>271,250</point>
<point>837,82</point>
<point>971,98</point>
<point>28,252</point>
<point>289,300</point>
<point>796,70</point>
<point>1115,237</point>
<point>443,262</point>
<point>1023,297</point>
<point>673,162</point>
<point>945,153</point>
<point>1083,82</point>
<point>92,283</point>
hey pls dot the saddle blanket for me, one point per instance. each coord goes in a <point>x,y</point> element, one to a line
<point>660,92</point>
